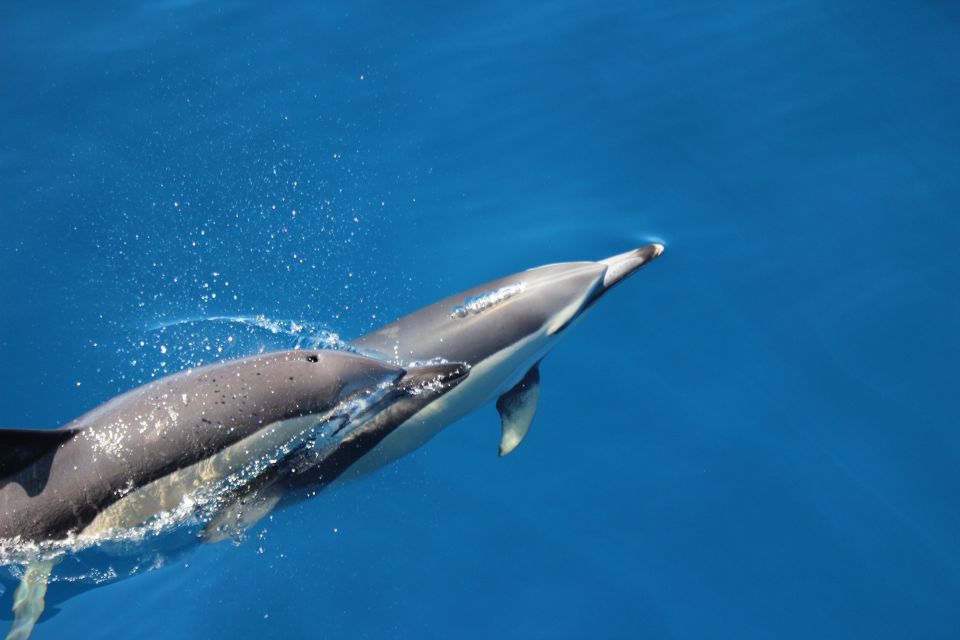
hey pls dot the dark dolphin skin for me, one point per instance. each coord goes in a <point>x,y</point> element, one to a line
<point>54,483</point>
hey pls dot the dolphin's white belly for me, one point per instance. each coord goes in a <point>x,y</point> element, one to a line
<point>488,379</point>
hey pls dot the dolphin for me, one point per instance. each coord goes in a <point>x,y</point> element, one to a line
<point>190,439</point>
<point>502,330</point>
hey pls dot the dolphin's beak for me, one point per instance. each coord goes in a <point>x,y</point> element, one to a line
<point>622,265</point>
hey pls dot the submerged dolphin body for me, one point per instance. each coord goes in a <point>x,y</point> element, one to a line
<point>502,329</point>
<point>193,439</point>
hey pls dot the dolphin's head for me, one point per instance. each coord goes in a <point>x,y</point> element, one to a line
<point>550,298</point>
<point>418,386</point>
<point>313,382</point>
<point>563,292</point>
<point>432,379</point>
<point>475,324</point>
<point>350,377</point>
<point>362,426</point>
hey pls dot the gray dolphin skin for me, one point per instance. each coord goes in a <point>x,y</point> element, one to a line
<point>140,455</point>
<point>502,329</point>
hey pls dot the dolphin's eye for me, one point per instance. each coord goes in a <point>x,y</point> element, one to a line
<point>478,304</point>
<point>313,358</point>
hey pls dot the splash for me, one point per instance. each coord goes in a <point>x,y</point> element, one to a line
<point>151,351</point>
<point>298,334</point>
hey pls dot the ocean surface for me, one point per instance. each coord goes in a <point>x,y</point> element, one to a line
<point>757,436</point>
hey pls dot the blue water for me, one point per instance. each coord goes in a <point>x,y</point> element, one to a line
<point>755,437</point>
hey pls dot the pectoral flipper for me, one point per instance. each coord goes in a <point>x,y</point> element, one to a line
<point>517,408</point>
<point>29,599</point>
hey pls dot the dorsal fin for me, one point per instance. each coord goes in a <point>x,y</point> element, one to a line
<point>19,448</point>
